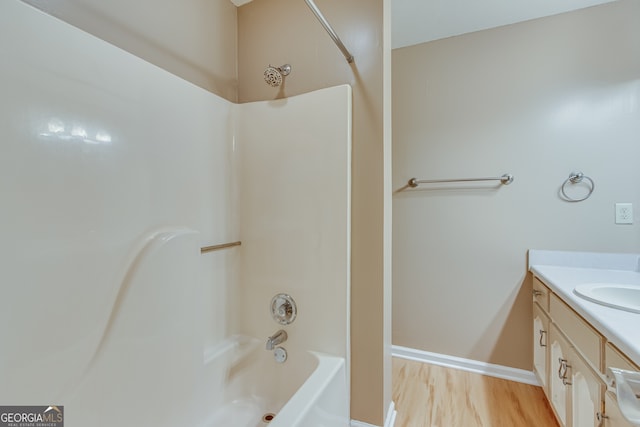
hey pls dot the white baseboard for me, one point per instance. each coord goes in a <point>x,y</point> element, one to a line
<point>389,422</point>
<point>391,415</point>
<point>498,371</point>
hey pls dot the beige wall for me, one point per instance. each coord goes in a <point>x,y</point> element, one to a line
<point>194,39</point>
<point>285,31</point>
<point>539,100</point>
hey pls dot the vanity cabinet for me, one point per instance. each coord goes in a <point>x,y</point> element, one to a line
<point>570,360</point>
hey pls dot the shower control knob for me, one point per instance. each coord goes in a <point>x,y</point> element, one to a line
<point>283,309</point>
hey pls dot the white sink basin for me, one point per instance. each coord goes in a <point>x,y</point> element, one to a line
<point>622,297</point>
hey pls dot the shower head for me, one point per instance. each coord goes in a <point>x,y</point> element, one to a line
<point>273,75</point>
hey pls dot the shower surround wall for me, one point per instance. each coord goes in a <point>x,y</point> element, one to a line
<point>99,150</point>
<point>285,31</point>
<point>113,173</point>
<point>295,215</point>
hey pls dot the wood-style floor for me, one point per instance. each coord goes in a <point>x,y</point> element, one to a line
<point>433,396</point>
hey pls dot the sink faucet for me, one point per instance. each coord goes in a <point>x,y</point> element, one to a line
<point>276,339</point>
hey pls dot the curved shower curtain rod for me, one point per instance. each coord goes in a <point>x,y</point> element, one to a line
<point>348,56</point>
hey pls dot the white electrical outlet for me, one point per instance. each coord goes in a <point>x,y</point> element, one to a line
<point>624,213</point>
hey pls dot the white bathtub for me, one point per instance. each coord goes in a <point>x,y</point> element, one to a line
<point>308,390</point>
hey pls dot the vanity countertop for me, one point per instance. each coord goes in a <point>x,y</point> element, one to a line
<point>562,271</point>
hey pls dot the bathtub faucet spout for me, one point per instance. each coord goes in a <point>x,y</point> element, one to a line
<point>276,339</point>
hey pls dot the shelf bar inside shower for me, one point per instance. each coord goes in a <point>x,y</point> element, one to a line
<point>348,56</point>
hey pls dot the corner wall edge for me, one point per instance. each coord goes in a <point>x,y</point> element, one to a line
<point>389,422</point>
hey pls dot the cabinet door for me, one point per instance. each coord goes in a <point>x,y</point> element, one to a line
<point>613,417</point>
<point>560,376</point>
<point>586,393</point>
<point>540,352</point>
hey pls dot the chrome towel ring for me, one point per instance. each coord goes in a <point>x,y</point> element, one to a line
<point>576,178</point>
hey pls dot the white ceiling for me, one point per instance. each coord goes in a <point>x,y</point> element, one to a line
<point>419,21</point>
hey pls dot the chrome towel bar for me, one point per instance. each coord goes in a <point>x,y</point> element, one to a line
<point>219,247</point>
<point>505,179</point>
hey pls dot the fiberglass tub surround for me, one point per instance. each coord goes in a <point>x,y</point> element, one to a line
<point>132,171</point>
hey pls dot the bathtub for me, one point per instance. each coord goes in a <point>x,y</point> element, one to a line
<point>308,390</point>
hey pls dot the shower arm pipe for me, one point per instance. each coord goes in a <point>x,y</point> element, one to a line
<point>348,56</point>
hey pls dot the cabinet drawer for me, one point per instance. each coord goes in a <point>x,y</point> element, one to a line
<point>613,357</point>
<point>541,294</point>
<point>588,342</point>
